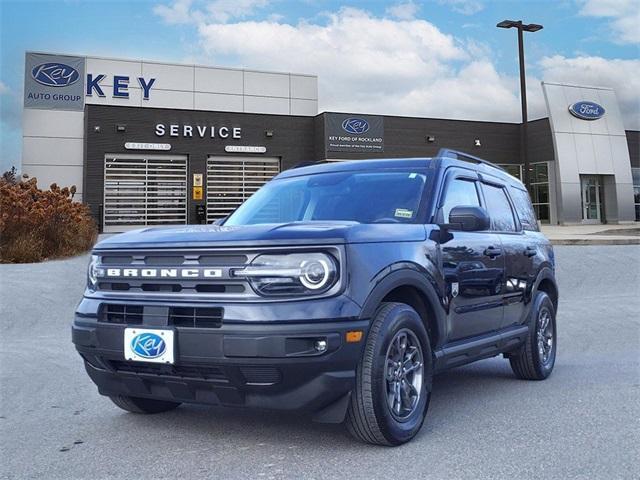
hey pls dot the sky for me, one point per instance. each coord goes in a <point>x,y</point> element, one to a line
<point>436,58</point>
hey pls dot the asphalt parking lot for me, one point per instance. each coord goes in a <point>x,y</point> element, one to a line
<point>583,422</point>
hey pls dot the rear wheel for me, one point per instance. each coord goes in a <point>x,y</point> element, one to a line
<point>393,378</point>
<point>536,358</point>
<point>142,405</point>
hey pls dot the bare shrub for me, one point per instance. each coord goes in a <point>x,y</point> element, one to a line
<point>36,224</point>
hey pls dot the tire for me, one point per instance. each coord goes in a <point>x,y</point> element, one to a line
<point>370,416</point>
<point>143,405</point>
<point>530,362</point>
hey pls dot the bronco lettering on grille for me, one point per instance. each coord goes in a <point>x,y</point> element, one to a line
<point>161,272</point>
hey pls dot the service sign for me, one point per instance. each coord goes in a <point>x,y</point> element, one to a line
<point>354,133</point>
<point>54,82</point>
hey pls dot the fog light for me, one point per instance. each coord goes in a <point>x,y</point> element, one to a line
<point>320,345</point>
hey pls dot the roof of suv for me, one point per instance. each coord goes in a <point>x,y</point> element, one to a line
<point>388,163</point>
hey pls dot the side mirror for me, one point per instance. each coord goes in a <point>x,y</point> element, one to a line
<point>468,219</point>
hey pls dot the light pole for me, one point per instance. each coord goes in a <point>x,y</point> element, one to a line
<point>532,27</point>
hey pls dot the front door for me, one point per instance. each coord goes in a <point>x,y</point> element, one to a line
<point>473,265</point>
<point>591,202</point>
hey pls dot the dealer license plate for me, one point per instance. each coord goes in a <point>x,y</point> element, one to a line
<point>149,345</point>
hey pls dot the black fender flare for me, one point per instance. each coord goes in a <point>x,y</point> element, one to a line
<point>546,273</point>
<point>387,281</point>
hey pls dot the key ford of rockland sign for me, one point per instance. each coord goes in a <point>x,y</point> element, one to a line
<point>58,82</point>
<point>354,133</point>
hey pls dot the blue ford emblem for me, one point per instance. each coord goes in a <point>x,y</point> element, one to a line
<point>357,126</point>
<point>55,74</point>
<point>586,110</point>
<point>148,345</point>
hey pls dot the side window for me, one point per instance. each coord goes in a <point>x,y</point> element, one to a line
<point>499,208</point>
<point>459,192</point>
<point>524,208</point>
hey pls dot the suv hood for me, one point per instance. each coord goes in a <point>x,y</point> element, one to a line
<point>295,233</point>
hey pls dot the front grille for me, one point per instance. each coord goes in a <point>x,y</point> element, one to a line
<point>196,317</point>
<point>222,286</point>
<point>193,372</point>
<point>187,317</point>
<point>121,314</point>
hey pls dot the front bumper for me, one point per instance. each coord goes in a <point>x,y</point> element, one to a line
<point>260,366</point>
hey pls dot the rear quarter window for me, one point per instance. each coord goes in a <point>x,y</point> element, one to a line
<point>524,209</point>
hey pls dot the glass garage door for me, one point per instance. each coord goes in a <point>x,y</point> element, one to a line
<point>144,190</point>
<point>231,180</point>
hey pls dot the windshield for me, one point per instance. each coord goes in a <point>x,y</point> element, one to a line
<point>375,196</point>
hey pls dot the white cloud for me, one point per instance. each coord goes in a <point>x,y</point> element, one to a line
<point>624,17</point>
<point>4,89</point>
<point>403,11</point>
<point>188,11</point>
<point>621,75</point>
<point>371,64</point>
<point>465,7</point>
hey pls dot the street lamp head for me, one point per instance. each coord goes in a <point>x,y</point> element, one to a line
<point>507,24</point>
<point>532,27</point>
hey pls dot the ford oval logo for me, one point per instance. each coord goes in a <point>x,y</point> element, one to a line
<point>55,74</point>
<point>148,345</point>
<point>586,110</point>
<point>357,126</point>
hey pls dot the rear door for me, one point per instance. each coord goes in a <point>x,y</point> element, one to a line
<point>473,264</point>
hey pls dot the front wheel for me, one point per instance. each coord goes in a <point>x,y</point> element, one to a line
<point>393,378</point>
<point>536,358</point>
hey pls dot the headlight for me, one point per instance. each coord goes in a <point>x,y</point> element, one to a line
<point>93,272</point>
<point>291,274</point>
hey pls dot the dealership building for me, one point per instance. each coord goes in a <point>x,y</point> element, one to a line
<point>149,143</point>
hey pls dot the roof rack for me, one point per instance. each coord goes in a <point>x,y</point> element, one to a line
<point>448,153</point>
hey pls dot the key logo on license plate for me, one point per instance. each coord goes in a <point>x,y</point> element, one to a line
<point>147,345</point>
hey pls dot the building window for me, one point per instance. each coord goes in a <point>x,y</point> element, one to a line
<point>231,180</point>
<point>635,172</point>
<point>515,170</point>
<point>144,190</point>
<point>539,190</point>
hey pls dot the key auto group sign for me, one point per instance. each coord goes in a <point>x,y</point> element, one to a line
<point>54,82</point>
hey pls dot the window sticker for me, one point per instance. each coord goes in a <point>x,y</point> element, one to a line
<point>413,175</point>
<point>403,213</point>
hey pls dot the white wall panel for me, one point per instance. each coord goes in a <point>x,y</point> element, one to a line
<point>613,116</point>
<point>602,153</point>
<point>556,106</point>
<point>134,100</point>
<point>63,175</point>
<point>218,80</point>
<point>585,155</point>
<point>304,107</point>
<point>51,151</point>
<point>169,77</point>
<point>266,84</point>
<point>266,105</point>
<point>218,102</point>
<point>170,99</point>
<point>52,123</point>
<point>305,87</point>
<point>108,67</point>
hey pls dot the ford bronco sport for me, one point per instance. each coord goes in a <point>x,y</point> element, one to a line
<point>338,289</point>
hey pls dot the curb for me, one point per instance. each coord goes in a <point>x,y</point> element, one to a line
<point>595,241</point>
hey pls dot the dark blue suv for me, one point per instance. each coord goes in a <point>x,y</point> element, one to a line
<point>338,289</point>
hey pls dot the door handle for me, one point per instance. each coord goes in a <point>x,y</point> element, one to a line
<point>492,251</point>
<point>530,251</point>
